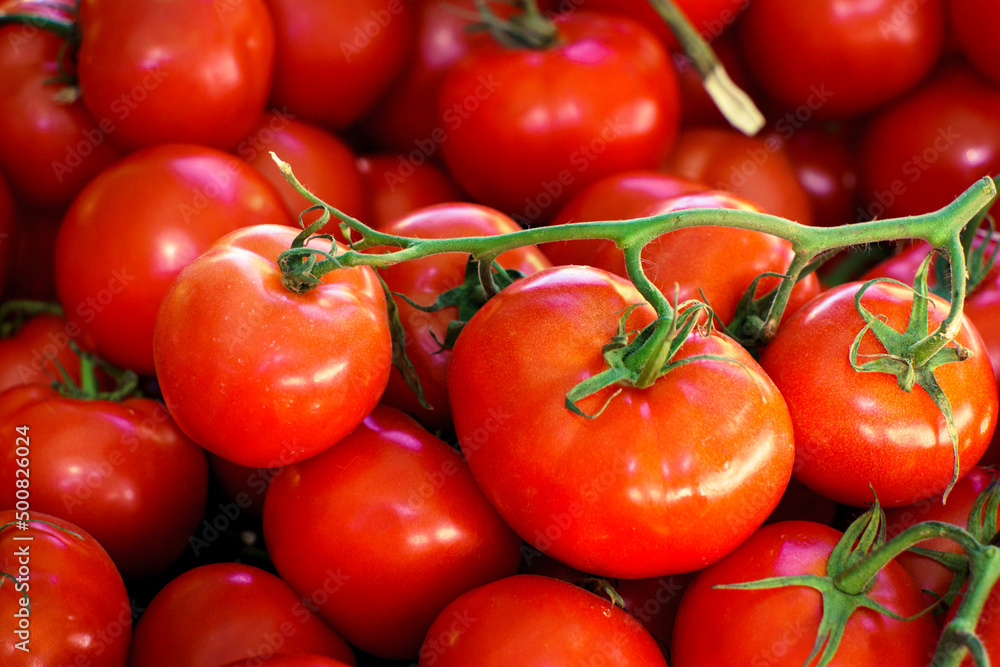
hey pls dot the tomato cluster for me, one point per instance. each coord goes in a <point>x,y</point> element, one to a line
<point>228,442</point>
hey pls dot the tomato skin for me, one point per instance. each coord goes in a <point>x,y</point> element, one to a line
<point>156,82</point>
<point>80,610</point>
<point>397,187</point>
<point>512,145</point>
<point>320,160</point>
<point>422,280</point>
<point>633,506</point>
<point>334,59</point>
<point>396,514</point>
<point>696,261</point>
<point>854,429</point>
<point>290,660</point>
<point>30,355</point>
<point>48,149</point>
<point>975,23</point>
<point>112,273</point>
<point>823,58</point>
<point>920,153</point>
<point>216,614</point>
<point>122,471</point>
<point>536,621</point>
<point>778,626</point>
<point>291,373</point>
<point>749,167</point>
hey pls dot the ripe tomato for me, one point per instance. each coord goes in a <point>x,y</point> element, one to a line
<point>927,573</point>
<point>821,55</point>
<point>291,374</point>
<point>112,273</point>
<point>535,621</point>
<point>975,23</point>
<point>334,59</point>
<point>856,429</point>
<point>697,260</point>
<point>175,71</point>
<point>30,356</point>
<point>80,609</point>
<point>638,491</point>
<point>289,660</point>
<point>752,168</point>
<point>396,515</point>
<point>123,472</point>
<point>215,614</point>
<point>920,153</point>
<point>527,128</point>
<point>49,148</point>
<point>422,280</point>
<point>777,627</point>
<point>397,187</point>
<point>321,161</point>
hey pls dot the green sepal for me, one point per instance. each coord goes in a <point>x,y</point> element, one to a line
<point>14,313</point>
<point>399,357</point>
<point>982,522</point>
<point>601,586</point>
<point>864,534</point>
<point>898,359</point>
<point>752,311</point>
<point>126,381</point>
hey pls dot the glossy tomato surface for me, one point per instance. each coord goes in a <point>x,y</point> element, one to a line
<point>651,486</point>
<point>395,513</point>
<point>290,373</point>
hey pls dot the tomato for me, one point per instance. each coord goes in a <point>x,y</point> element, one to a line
<point>290,374</point>
<point>534,621</point>
<point>929,574</point>
<point>290,660</point>
<point>175,71</point>
<point>856,429</point>
<point>320,160</point>
<point>839,58</point>
<point>697,107</point>
<point>654,484</point>
<point>749,167</point>
<point>49,148</point>
<point>216,614</point>
<point>405,119</point>
<point>778,626</point>
<point>422,280</point>
<point>528,128</point>
<point>922,152</point>
<point>80,610</point>
<point>334,59</point>
<point>975,22</point>
<point>121,471</point>
<point>30,356</point>
<point>397,186</point>
<point>112,273</point>
<point>697,260</point>
<point>987,629</point>
<point>395,514</point>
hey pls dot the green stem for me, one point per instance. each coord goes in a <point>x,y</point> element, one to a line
<point>959,635</point>
<point>653,354</point>
<point>952,324</point>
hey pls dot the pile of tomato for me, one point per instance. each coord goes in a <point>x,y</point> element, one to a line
<point>204,467</point>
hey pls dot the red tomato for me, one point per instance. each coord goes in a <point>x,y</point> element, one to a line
<point>49,148</point>
<point>534,621</point>
<point>975,23</point>
<point>778,626</point>
<point>216,614</point>
<point>290,660</point>
<point>395,514</point>
<point>838,58</point>
<point>112,273</point>
<point>30,355</point>
<point>528,128</point>
<point>80,610</point>
<point>321,161</point>
<point>637,491</point>
<point>291,374</point>
<point>697,260</point>
<point>422,280</point>
<point>396,186</point>
<point>752,168</point>
<point>334,59</point>
<point>183,71</point>
<point>856,429</point>
<point>123,472</point>
<point>929,574</point>
<point>921,153</point>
